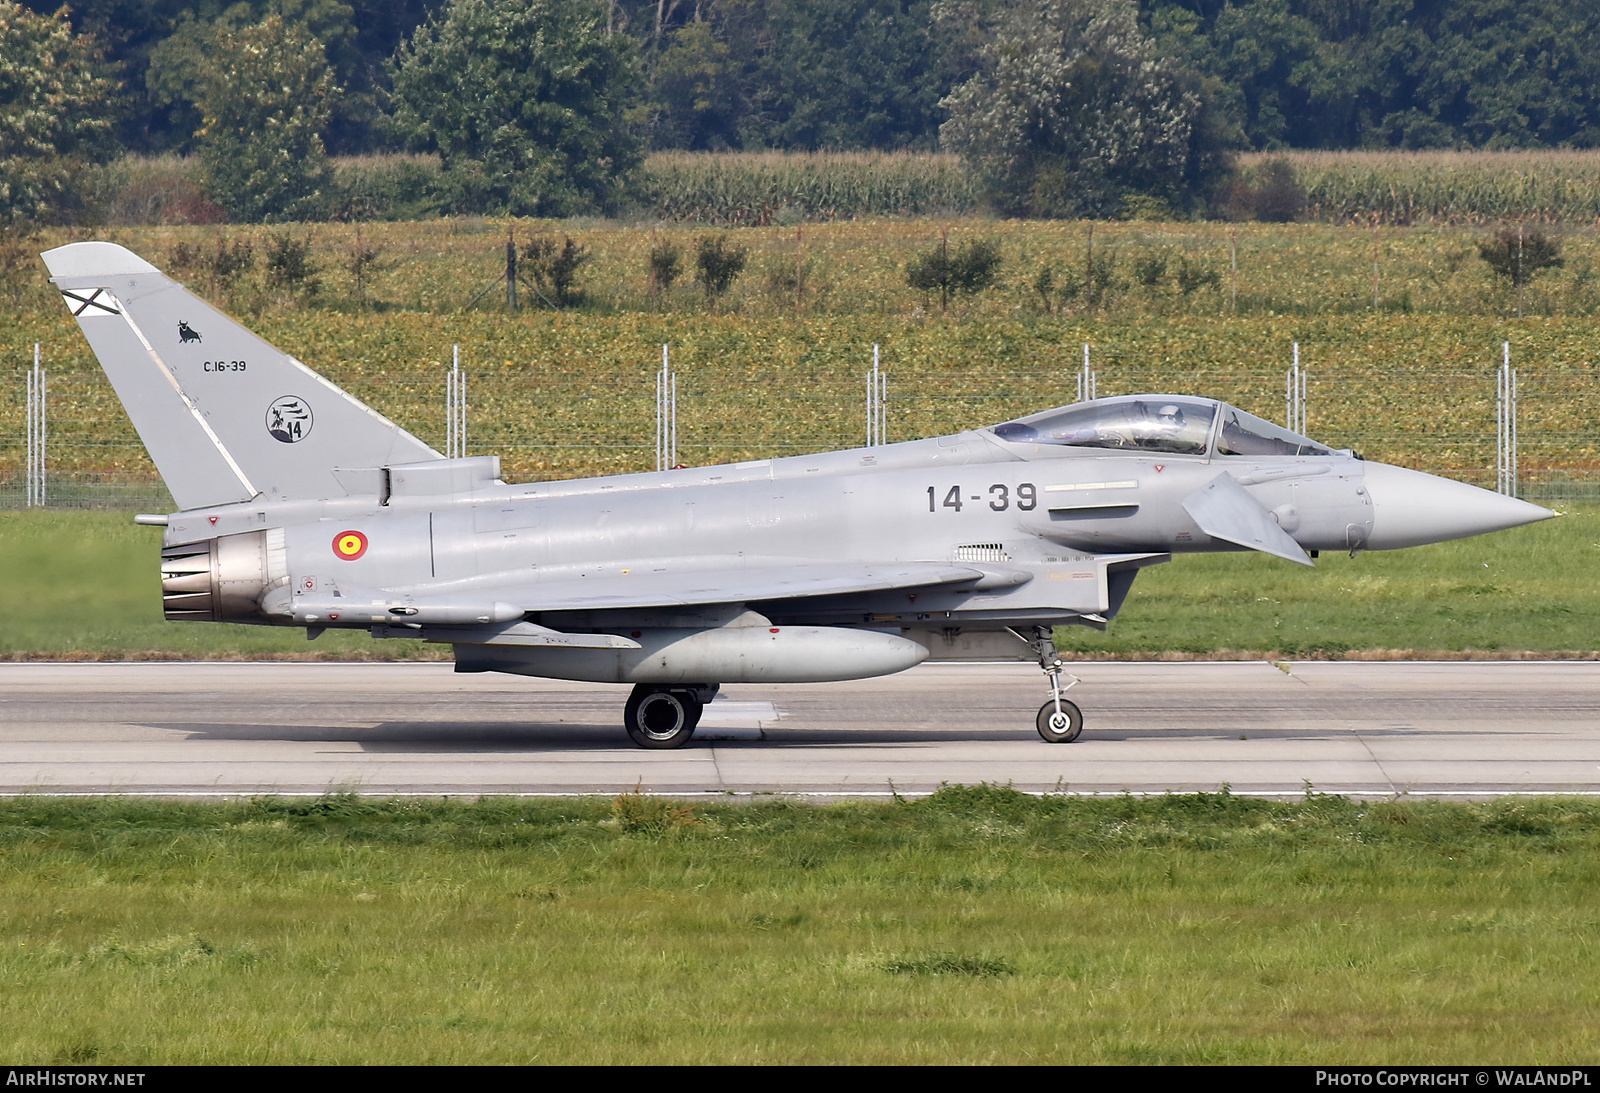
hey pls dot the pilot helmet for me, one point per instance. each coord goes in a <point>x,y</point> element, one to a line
<point>1170,414</point>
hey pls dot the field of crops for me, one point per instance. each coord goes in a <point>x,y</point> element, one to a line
<point>776,366</point>
<point>755,189</point>
<point>751,189</point>
<point>1547,186</point>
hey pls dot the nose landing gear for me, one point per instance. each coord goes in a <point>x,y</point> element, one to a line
<point>1059,721</point>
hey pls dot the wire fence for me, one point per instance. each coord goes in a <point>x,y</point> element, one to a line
<point>573,421</point>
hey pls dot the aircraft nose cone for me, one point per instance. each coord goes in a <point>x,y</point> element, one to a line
<point>1410,508</point>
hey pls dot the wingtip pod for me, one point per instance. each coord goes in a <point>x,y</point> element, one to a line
<point>1410,508</point>
<point>94,259</point>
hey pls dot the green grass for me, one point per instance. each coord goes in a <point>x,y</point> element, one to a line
<point>1532,589</point>
<point>975,926</point>
<point>86,584</point>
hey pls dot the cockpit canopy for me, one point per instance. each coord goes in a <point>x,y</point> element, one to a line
<point>1178,424</point>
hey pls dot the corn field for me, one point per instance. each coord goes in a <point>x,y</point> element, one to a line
<point>1550,186</point>
<point>757,189</point>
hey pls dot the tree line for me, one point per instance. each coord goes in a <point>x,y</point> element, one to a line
<point>1066,107</point>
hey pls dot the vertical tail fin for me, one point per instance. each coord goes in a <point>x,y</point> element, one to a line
<point>225,416</point>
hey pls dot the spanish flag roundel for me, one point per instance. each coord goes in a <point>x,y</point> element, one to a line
<point>349,545</point>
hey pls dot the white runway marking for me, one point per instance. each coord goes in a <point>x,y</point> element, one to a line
<point>725,719</point>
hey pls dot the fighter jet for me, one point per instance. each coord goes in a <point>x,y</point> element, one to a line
<point>300,506</point>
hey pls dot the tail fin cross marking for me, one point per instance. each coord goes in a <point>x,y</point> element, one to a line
<point>108,306</point>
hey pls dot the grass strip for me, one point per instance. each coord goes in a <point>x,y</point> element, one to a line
<point>977,925</point>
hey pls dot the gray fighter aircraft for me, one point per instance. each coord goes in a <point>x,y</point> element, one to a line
<point>300,506</point>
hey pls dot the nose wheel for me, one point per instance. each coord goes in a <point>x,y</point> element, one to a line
<point>1059,721</point>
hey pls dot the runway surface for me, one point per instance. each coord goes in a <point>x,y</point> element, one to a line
<point>1362,729</point>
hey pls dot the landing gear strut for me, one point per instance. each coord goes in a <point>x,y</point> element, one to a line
<point>1059,721</point>
<point>665,717</point>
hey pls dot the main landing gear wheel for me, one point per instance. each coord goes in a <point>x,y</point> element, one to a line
<point>659,718</point>
<point>1059,726</point>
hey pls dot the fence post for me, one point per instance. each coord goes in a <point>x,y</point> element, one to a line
<point>799,271</point>
<point>455,408</point>
<point>28,379</point>
<point>37,429</point>
<point>1505,403</point>
<point>877,388</point>
<point>1233,264</point>
<point>1375,221</point>
<point>511,270</point>
<point>666,414</point>
<point>1294,396</point>
<point>1088,268</point>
